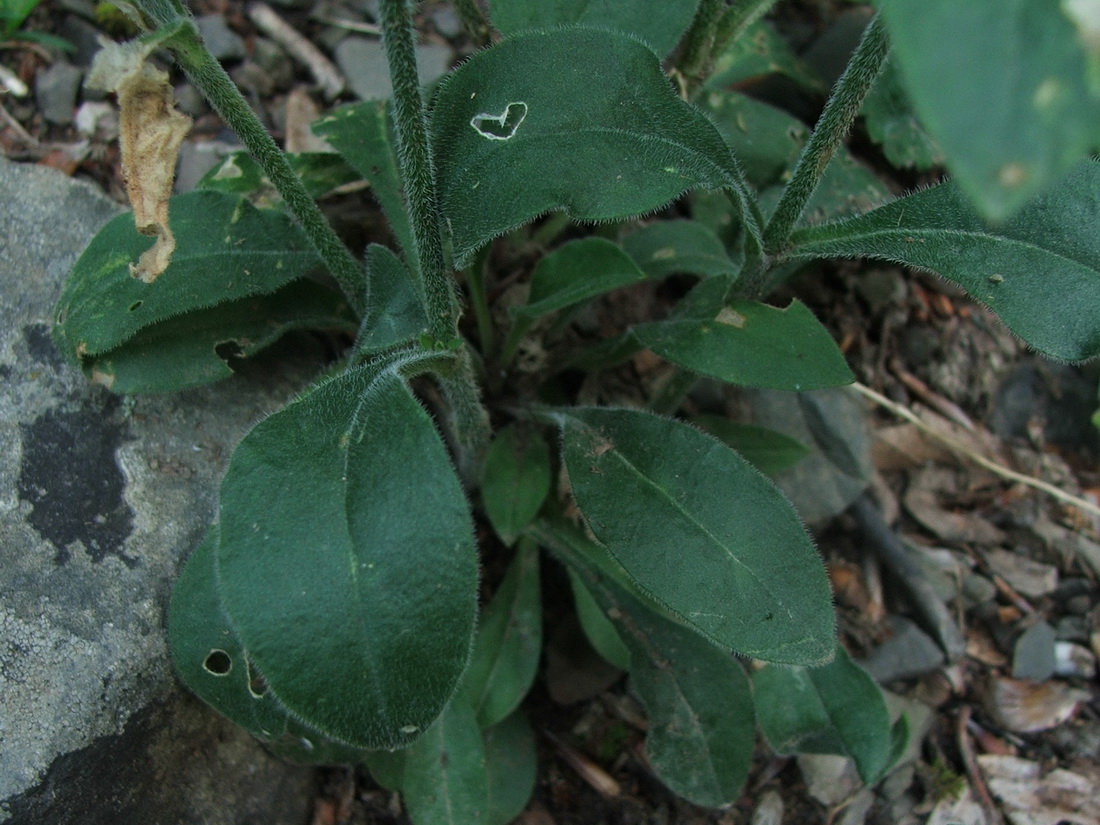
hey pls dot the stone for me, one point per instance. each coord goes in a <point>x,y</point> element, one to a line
<point>1033,656</point>
<point>363,62</point>
<point>83,36</point>
<point>100,501</point>
<point>909,653</point>
<point>222,42</point>
<point>56,90</point>
<point>1032,579</point>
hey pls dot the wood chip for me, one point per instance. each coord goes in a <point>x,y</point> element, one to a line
<point>1026,707</point>
<point>1031,798</point>
<point>1030,578</point>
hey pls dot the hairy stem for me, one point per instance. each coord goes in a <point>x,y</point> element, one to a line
<point>835,121</point>
<point>417,169</point>
<point>215,85</point>
<point>736,20</point>
<point>698,49</point>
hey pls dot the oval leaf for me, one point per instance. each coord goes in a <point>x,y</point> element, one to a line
<point>658,24</point>
<point>836,708</point>
<point>394,312</point>
<point>226,250</point>
<point>509,642</point>
<point>753,345</point>
<point>697,697</point>
<point>347,562</point>
<point>1013,122</point>
<point>678,247</point>
<point>767,450</point>
<point>701,531</point>
<point>516,481</point>
<point>443,779</point>
<point>1040,271</point>
<point>511,767</point>
<point>581,120</point>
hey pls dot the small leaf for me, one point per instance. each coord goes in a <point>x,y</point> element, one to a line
<point>227,250</point>
<point>765,140</point>
<point>511,767</point>
<point>444,780</point>
<point>197,348</point>
<point>836,708</point>
<point>1039,271</point>
<point>760,51</point>
<point>893,126</point>
<point>752,344</point>
<point>347,562</point>
<point>363,134</point>
<point>395,314</point>
<point>658,24</point>
<point>767,450</point>
<point>700,530</point>
<point>603,137</point>
<point>578,271</point>
<point>516,481</point>
<point>681,247</point>
<point>697,697</point>
<point>239,174</point>
<point>597,628</point>
<point>509,642</point>
<point>1015,121</point>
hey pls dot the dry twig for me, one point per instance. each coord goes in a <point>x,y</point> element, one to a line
<point>326,74</point>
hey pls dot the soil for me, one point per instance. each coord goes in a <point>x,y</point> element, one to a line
<point>914,339</point>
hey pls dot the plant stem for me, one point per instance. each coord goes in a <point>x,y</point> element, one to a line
<point>215,85</point>
<point>698,49</point>
<point>417,169</point>
<point>835,121</point>
<point>736,20</point>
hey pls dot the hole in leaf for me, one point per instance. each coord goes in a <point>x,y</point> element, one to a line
<point>502,126</point>
<point>217,663</point>
<point>135,305</point>
<point>257,685</point>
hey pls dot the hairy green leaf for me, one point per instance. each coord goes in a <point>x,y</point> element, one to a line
<point>511,767</point>
<point>509,642</point>
<point>577,119</point>
<point>394,314</point>
<point>197,348</point>
<point>238,174</point>
<point>577,271</point>
<point>347,562</point>
<point>767,450</point>
<point>226,250</point>
<point>1014,121</point>
<point>836,708</point>
<point>892,124</point>
<point>765,140</point>
<point>658,24</point>
<point>444,780</point>
<point>363,134</point>
<point>752,344</point>
<point>597,627</point>
<point>681,247</point>
<point>516,480</point>
<point>697,697</point>
<point>760,51</point>
<point>1039,271</point>
<point>701,531</point>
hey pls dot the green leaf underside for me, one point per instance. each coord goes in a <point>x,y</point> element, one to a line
<point>678,248</point>
<point>764,139</point>
<point>700,530</point>
<point>1014,121</point>
<point>516,480</point>
<point>755,345</point>
<point>239,174</point>
<point>1039,272</point>
<point>444,780</point>
<point>577,271</point>
<point>767,450</point>
<point>697,697</point>
<point>511,766</point>
<point>836,709</point>
<point>597,628</point>
<point>581,120</point>
<point>509,642</point>
<point>349,570</point>
<point>226,249</point>
<point>892,124</point>
<point>658,24</point>
<point>194,349</point>
<point>363,134</point>
<point>211,662</point>
<point>394,312</point>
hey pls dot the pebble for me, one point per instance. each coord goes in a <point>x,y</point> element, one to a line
<point>97,119</point>
<point>222,42</point>
<point>1072,660</point>
<point>1029,578</point>
<point>1023,706</point>
<point>1073,629</point>
<point>769,810</point>
<point>56,90</point>
<point>1033,656</point>
<point>447,21</point>
<point>83,36</point>
<point>363,62</point>
<point>830,779</point>
<point>909,653</point>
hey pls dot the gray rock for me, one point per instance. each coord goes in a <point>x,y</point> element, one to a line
<point>909,653</point>
<point>446,21</point>
<point>224,43</point>
<point>363,62</point>
<point>56,90</point>
<point>100,499</point>
<point>83,36</point>
<point>1033,655</point>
